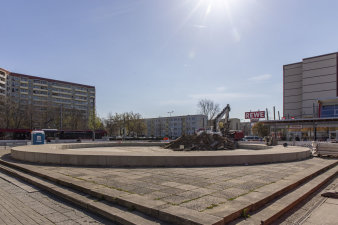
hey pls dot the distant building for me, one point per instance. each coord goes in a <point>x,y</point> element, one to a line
<point>310,100</point>
<point>310,87</point>
<point>42,94</point>
<point>246,127</point>
<point>175,126</point>
<point>3,78</point>
<point>235,124</point>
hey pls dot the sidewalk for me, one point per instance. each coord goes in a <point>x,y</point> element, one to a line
<point>327,212</point>
<point>317,210</point>
<point>24,204</point>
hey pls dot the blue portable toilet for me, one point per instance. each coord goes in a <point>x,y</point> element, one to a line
<point>38,137</point>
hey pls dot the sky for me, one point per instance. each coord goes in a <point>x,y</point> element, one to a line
<point>157,56</point>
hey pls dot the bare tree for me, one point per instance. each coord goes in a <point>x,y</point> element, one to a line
<point>208,108</point>
<point>128,123</point>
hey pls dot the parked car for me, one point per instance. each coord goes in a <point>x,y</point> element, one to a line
<point>252,138</point>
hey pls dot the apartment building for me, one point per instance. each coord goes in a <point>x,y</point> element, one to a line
<point>42,93</point>
<point>3,78</point>
<point>310,87</point>
<point>175,126</point>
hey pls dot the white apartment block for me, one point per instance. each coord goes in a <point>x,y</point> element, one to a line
<point>175,126</point>
<point>42,93</point>
<point>310,87</point>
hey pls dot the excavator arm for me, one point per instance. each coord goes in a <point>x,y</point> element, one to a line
<point>224,112</point>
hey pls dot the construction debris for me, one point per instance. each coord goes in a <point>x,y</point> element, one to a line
<point>331,194</point>
<point>201,141</point>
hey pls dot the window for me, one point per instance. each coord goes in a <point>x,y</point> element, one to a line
<point>329,111</point>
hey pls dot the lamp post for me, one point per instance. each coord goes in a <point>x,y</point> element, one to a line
<point>171,133</point>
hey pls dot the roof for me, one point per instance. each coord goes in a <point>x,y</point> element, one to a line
<point>302,120</point>
<point>46,79</point>
<point>167,117</point>
<point>311,58</point>
<point>4,70</point>
<point>50,80</point>
<point>320,55</point>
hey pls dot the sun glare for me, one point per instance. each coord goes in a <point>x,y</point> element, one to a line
<point>214,5</point>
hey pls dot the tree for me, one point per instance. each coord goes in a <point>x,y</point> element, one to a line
<point>112,124</point>
<point>208,108</point>
<point>260,129</point>
<point>128,123</point>
<point>95,122</point>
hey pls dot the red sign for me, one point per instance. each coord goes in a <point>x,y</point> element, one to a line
<point>255,115</point>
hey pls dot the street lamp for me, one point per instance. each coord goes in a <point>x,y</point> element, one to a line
<point>171,112</point>
<point>171,133</point>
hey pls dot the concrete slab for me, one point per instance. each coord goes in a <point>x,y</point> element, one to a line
<point>325,214</point>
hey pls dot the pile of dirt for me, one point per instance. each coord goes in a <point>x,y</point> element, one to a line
<point>202,141</point>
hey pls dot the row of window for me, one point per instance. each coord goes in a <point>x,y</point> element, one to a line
<point>40,87</point>
<point>61,95</point>
<point>39,82</point>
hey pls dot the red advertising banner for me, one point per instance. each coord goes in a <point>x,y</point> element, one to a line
<point>255,115</point>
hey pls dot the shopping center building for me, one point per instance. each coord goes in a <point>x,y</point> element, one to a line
<point>310,102</point>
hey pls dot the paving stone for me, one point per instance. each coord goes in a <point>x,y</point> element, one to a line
<point>175,199</point>
<point>56,217</point>
<point>230,193</point>
<point>250,185</point>
<point>192,194</point>
<point>23,207</point>
<point>172,190</point>
<point>156,195</point>
<point>142,190</point>
<point>203,203</point>
<point>171,184</point>
<point>187,187</point>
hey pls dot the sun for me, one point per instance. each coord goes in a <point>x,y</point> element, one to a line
<point>212,6</point>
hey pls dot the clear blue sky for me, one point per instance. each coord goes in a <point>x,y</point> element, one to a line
<point>154,56</point>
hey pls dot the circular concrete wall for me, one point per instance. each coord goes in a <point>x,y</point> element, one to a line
<point>150,155</point>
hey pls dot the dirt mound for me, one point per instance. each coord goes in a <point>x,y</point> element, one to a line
<point>202,141</point>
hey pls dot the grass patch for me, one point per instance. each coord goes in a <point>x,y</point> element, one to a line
<point>245,213</point>
<point>231,199</point>
<point>212,206</point>
<point>192,199</point>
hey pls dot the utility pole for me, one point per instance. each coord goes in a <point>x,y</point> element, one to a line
<point>314,124</point>
<point>267,114</point>
<point>94,125</point>
<point>171,133</point>
<point>61,117</point>
<point>274,118</point>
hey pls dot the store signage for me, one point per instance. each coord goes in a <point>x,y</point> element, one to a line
<point>295,126</point>
<point>255,115</point>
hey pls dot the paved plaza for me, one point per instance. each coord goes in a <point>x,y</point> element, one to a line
<point>23,204</point>
<point>201,189</point>
<point>204,192</point>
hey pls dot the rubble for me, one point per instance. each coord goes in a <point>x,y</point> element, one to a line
<point>201,141</point>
